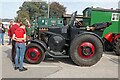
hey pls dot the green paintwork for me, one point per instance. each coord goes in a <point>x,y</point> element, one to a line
<point>103,15</point>
<point>86,21</point>
<point>47,22</point>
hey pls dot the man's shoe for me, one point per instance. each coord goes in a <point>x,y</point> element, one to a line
<point>16,68</point>
<point>9,44</point>
<point>13,61</point>
<point>24,69</point>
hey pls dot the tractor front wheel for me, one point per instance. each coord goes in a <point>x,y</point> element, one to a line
<point>86,50</point>
<point>34,53</point>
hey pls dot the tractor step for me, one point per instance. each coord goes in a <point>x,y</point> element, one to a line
<point>57,55</point>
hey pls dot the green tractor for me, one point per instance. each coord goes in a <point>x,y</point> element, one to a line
<point>111,35</point>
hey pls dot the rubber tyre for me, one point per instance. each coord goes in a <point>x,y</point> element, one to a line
<point>117,47</point>
<point>41,51</point>
<point>107,45</point>
<point>77,59</point>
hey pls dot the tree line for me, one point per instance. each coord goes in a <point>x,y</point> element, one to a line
<point>32,10</point>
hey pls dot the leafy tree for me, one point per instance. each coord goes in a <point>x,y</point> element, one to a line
<point>31,10</point>
<point>22,14</point>
<point>57,10</point>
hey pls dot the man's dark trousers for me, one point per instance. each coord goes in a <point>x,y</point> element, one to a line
<point>13,51</point>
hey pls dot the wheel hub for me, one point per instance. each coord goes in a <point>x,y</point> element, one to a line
<point>86,50</point>
<point>33,54</point>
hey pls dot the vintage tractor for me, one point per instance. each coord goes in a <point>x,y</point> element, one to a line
<point>112,42</point>
<point>82,45</point>
<point>111,35</point>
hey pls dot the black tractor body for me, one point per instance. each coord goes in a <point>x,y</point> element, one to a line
<point>84,46</point>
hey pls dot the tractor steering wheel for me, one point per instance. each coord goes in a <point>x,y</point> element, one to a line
<point>71,22</point>
<point>78,24</point>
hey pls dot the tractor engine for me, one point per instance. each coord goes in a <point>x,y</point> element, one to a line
<point>56,43</point>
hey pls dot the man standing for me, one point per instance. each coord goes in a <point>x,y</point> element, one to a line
<point>12,30</point>
<point>2,31</point>
<point>28,30</point>
<point>20,36</point>
<point>9,33</point>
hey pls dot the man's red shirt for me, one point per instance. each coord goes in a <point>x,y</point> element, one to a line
<point>12,29</point>
<point>19,33</point>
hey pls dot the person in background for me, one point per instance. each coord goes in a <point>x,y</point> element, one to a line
<point>20,37</point>
<point>2,31</point>
<point>34,27</point>
<point>12,30</point>
<point>28,30</point>
<point>9,33</point>
<point>78,23</point>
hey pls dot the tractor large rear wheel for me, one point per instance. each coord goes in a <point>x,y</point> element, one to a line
<point>34,53</point>
<point>86,50</point>
<point>117,46</point>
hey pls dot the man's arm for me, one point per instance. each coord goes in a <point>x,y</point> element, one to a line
<point>13,37</point>
<point>21,39</point>
<point>28,23</point>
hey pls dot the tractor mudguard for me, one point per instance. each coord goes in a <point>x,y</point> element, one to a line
<point>41,43</point>
<point>117,36</point>
<point>94,35</point>
<point>109,37</point>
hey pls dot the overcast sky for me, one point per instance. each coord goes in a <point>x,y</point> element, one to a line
<point>8,8</point>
